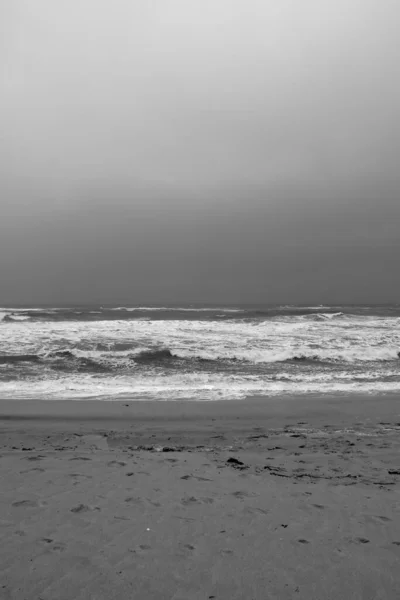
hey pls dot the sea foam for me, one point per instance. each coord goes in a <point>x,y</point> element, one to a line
<point>197,357</point>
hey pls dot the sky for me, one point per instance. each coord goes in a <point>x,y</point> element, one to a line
<point>199,151</point>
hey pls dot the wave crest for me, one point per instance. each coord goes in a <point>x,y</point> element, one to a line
<point>324,316</point>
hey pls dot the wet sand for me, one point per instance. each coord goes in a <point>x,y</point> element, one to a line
<point>256,499</point>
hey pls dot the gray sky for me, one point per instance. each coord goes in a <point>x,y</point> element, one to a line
<point>199,151</point>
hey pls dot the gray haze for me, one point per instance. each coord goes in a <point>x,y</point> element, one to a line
<point>199,151</point>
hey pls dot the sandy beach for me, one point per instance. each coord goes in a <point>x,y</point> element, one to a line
<point>256,499</point>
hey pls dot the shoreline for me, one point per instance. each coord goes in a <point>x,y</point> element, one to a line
<point>202,423</point>
<point>250,407</point>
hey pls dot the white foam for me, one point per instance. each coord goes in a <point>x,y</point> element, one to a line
<point>19,317</point>
<point>362,346</point>
<point>14,317</point>
<point>175,309</point>
<point>269,341</point>
<point>15,310</point>
<point>329,315</point>
<point>194,387</point>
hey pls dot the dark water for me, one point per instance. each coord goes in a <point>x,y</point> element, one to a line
<point>193,312</point>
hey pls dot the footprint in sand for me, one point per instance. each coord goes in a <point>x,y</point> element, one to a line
<point>189,501</point>
<point>31,458</point>
<point>78,477</point>
<point>359,540</point>
<point>186,550</point>
<point>189,547</point>
<point>153,503</point>
<point>28,504</point>
<point>144,547</point>
<point>303,541</point>
<point>80,458</point>
<point>54,546</point>
<point>193,500</point>
<point>320,506</point>
<point>134,500</point>
<point>39,469</point>
<point>252,510</point>
<point>186,477</point>
<point>116,463</point>
<point>83,508</point>
<point>377,519</point>
<point>241,494</point>
<point>58,547</point>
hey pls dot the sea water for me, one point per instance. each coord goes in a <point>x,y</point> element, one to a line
<point>198,352</point>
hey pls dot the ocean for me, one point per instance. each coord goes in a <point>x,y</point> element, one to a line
<point>198,353</point>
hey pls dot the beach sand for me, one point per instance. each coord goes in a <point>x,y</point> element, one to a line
<point>257,499</point>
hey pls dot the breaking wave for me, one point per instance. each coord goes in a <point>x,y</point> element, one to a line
<point>191,352</point>
<point>101,359</point>
<point>325,316</point>
<point>15,318</point>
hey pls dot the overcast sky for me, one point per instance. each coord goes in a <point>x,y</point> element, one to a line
<point>199,151</point>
